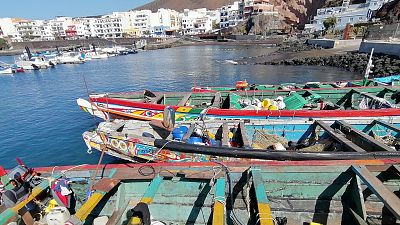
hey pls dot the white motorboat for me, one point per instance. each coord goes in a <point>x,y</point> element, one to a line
<point>97,55</point>
<point>71,58</point>
<point>6,70</point>
<point>39,62</point>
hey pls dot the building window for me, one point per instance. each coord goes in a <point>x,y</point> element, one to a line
<point>351,19</point>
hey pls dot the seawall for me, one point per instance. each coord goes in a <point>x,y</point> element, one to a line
<point>389,48</point>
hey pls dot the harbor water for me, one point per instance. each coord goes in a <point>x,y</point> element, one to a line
<point>41,123</point>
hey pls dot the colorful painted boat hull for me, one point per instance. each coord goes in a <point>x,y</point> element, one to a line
<point>324,192</point>
<point>142,142</point>
<point>349,101</point>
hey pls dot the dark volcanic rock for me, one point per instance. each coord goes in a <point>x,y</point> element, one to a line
<point>354,62</point>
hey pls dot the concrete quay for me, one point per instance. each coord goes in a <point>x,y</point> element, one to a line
<point>383,47</point>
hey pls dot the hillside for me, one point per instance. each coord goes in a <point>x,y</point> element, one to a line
<point>180,5</point>
<point>292,11</point>
<point>390,12</point>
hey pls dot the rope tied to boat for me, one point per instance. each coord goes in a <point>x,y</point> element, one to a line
<point>159,150</point>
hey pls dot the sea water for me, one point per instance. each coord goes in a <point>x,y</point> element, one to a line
<point>42,124</point>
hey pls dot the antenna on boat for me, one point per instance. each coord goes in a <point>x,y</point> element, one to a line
<point>369,67</point>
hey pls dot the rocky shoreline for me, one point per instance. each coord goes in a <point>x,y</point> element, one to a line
<point>297,53</point>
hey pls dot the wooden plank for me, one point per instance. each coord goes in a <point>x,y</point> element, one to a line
<point>389,199</point>
<point>308,132</point>
<point>151,190</point>
<point>354,199</point>
<point>217,100</point>
<point>219,202</point>
<point>359,220</point>
<point>396,168</point>
<point>225,133</point>
<point>388,125</point>
<point>157,99</point>
<point>339,137</point>
<point>365,140</point>
<point>117,214</point>
<point>368,95</point>
<point>106,185</point>
<point>189,132</point>
<point>263,206</point>
<point>243,135</point>
<point>185,98</point>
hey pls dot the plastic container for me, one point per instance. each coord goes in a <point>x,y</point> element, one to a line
<point>294,101</point>
<point>266,103</point>
<point>196,141</point>
<point>273,107</point>
<point>57,216</point>
<point>179,132</point>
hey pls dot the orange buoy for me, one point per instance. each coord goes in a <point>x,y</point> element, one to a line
<point>241,84</point>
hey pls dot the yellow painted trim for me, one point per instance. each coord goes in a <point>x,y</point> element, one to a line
<point>218,214</point>
<point>135,221</point>
<point>265,215</point>
<point>89,205</point>
<point>146,200</point>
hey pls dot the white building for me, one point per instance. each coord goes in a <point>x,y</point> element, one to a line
<point>8,30</point>
<point>59,25</point>
<point>108,26</point>
<point>29,30</point>
<point>46,32</point>
<point>231,15</point>
<point>346,14</point>
<point>141,22</point>
<point>257,7</point>
<point>164,21</point>
<point>198,21</point>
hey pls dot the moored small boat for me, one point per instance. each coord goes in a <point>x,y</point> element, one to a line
<point>70,58</point>
<point>245,141</point>
<point>323,192</point>
<point>8,70</point>
<point>345,103</point>
<point>243,85</point>
<point>35,63</point>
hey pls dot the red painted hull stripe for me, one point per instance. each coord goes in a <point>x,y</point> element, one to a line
<point>262,113</point>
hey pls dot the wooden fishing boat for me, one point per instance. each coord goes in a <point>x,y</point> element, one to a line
<point>243,85</point>
<point>372,102</point>
<point>245,141</point>
<point>265,193</point>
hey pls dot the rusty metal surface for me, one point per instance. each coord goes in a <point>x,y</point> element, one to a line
<point>106,184</point>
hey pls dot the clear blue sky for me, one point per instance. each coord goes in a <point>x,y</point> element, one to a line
<point>47,9</point>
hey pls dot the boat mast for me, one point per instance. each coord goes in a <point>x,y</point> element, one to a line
<point>369,67</point>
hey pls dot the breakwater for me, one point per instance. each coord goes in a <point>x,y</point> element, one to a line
<point>18,47</point>
<point>353,62</point>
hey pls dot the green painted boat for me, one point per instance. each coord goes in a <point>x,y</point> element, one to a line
<point>347,103</point>
<point>141,141</point>
<point>243,85</point>
<point>280,193</point>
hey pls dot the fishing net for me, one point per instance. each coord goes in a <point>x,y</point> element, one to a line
<point>321,145</point>
<point>263,140</point>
